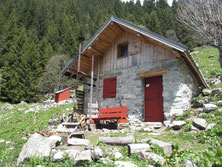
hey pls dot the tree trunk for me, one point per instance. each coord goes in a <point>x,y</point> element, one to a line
<point>117,140</point>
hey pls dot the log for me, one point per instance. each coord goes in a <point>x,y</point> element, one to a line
<point>117,140</point>
<point>136,148</point>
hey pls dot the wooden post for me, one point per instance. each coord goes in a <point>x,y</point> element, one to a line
<point>79,59</point>
<point>97,89</point>
<point>91,89</point>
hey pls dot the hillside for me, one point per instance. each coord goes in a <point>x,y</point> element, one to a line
<point>19,121</point>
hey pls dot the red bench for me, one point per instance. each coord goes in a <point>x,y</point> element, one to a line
<point>119,113</point>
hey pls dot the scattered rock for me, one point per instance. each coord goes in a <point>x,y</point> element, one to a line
<point>124,164</point>
<point>37,146</point>
<point>77,142</point>
<point>51,121</point>
<point>188,163</point>
<point>167,147</point>
<point>22,103</point>
<point>59,156</point>
<point>24,138</point>
<point>211,56</point>
<point>153,157</point>
<point>147,129</point>
<point>83,156</point>
<point>7,142</point>
<point>97,153</point>
<point>7,107</point>
<point>177,125</point>
<point>210,107</point>
<point>106,160</point>
<point>2,141</point>
<point>118,155</point>
<point>198,103</point>
<point>194,128</point>
<point>219,103</point>
<point>200,123</point>
<point>216,90</point>
<point>166,123</point>
<point>20,109</point>
<point>210,126</point>
<point>196,111</point>
<point>72,153</point>
<point>206,92</point>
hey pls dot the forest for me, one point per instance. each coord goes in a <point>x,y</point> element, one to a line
<point>34,32</point>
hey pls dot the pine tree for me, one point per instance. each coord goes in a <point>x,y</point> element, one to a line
<point>153,23</point>
<point>22,69</point>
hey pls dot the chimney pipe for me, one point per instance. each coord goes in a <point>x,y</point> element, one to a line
<point>81,39</point>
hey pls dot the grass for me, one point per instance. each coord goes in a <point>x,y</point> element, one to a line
<point>15,125</point>
<point>207,61</point>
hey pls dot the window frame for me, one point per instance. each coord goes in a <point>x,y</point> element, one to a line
<point>119,49</point>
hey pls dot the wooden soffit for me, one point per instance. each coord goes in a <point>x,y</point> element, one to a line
<point>153,73</point>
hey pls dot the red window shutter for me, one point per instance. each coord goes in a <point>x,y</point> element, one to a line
<point>109,87</point>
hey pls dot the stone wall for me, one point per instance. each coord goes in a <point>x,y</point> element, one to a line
<point>179,86</point>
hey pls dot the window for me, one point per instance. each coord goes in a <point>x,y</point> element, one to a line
<point>109,87</point>
<point>123,50</point>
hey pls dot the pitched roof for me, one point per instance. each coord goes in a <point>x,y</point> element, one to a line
<point>145,32</point>
<point>155,37</point>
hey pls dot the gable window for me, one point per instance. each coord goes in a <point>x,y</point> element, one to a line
<point>123,50</point>
<point>109,87</point>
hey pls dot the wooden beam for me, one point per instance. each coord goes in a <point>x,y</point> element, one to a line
<point>91,89</point>
<point>95,50</point>
<point>153,73</point>
<point>117,25</point>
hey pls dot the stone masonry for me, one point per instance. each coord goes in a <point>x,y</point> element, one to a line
<point>179,86</point>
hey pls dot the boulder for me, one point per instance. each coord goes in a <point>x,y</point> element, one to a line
<point>177,125</point>
<point>210,126</point>
<point>167,147</point>
<point>206,92</point>
<point>59,156</point>
<point>38,146</point>
<point>118,155</point>
<point>200,123</point>
<point>153,157</point>
<point>77,142</point>
<point>188,163</point>
<point>97,153</point>
<point>83,156</point>
<point>210,107</point>
<point>124,164</point>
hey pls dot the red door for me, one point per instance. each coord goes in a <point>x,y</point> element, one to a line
<point>153,99</point>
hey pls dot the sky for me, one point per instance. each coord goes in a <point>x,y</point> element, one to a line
<point>169,1</point>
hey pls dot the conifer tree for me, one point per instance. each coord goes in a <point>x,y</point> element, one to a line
<point>22,69</point>
<point>153,23</point>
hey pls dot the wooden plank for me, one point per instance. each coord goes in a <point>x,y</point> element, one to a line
<point>147,74</point>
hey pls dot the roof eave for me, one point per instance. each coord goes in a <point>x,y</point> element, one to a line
<point>199,73</point>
